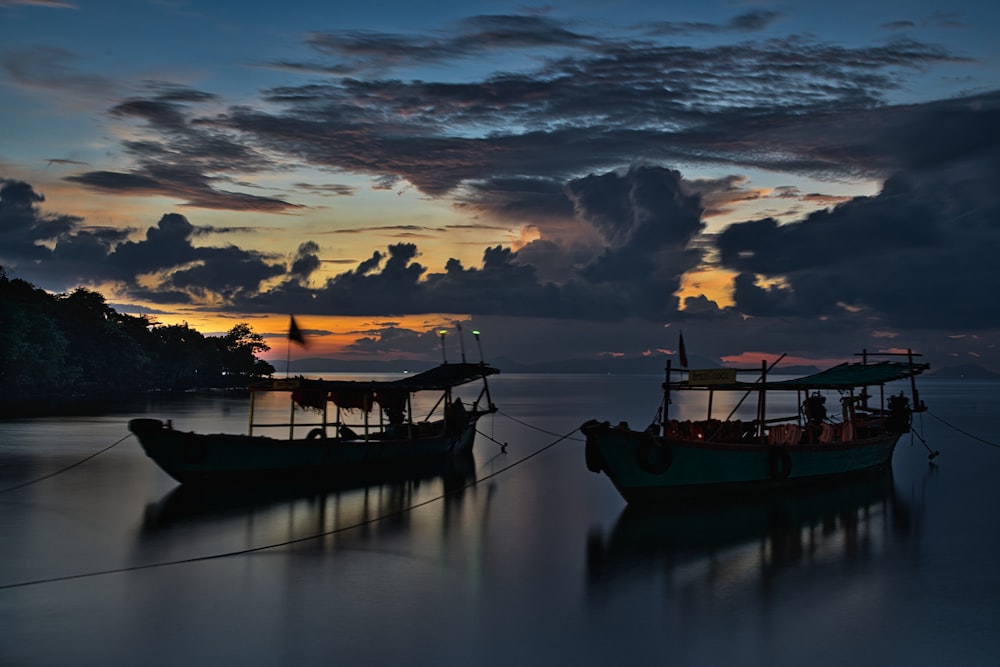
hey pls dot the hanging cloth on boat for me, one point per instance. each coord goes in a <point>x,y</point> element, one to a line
<point>313,399</point>
<point>353,400</point>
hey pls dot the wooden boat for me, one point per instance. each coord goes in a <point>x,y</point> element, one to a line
<point>674,460</point>
<point>392,438</point>
<point>393,488</point>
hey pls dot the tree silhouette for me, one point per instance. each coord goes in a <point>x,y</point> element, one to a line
<point>72,344</point>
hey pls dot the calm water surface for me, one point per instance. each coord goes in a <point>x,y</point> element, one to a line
<point>536,563</point>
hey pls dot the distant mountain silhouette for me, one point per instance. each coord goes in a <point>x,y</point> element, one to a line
<point>652,365</point>
<point>964,372</point>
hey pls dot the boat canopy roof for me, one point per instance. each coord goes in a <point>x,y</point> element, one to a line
<point>439,378</point>
<point>848,375</point>
<point>843,376</point>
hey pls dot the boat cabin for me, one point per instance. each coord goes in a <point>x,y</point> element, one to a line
<point>862,415</point>
<point>378,409</point>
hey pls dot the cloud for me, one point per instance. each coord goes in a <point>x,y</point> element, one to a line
<point>24,229</point>
<point>647,222</point>
<point>192,187</point>
<point>595,102</point>
<point>306,261</point>
<point>753,20</point>
<point>187,160</point>
<point>370,51</point>
<point>54,69</point>
<point>584,150</point>
<point>60,250</point>
<point>917,254</point>
<point>644,222</point>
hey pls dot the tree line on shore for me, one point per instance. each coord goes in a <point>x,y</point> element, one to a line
<point>75,343</point>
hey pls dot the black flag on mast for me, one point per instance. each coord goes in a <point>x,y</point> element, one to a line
<point>681,352</point>
<point>294,333</point>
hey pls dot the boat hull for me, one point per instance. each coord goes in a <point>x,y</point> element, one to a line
<point>203,458</point>
<point>647,469</point>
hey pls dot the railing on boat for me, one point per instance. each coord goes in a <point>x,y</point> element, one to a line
<point>857,414</point>
<point>406,427</point>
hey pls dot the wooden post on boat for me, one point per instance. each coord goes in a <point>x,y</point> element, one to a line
<point>291,418</point>
<point>913,381</point>
<point>409,416</point>
<point>325,404</point>
<point>666,398</point>
<point>762,401</point>
<point>253,399</point>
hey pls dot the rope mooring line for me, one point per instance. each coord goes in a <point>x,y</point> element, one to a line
<point>965,433</point>
<point>69,467</point>
<point>541,430</point>
<point>298,540</point>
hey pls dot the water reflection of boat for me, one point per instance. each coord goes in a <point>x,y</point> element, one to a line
<point>395,437</point>
<point>772,532</point>
<point>396,489</point>
<point>672,461</point>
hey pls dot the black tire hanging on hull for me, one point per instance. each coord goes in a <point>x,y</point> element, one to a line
<point>779,464</point>
<point>654,454</point>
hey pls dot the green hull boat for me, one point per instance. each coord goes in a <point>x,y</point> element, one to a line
<point>673,460</point>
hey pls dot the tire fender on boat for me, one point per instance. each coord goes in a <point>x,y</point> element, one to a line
<point>654,454</point>
<point>193,450</point>
<point>779,463</point>
<point>316,433</point>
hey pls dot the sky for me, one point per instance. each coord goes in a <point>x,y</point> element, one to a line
<point>577,180</point>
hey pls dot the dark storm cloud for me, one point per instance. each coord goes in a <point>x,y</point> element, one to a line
<point>518,200</point>
<point>56,246</point>
<point>65,252</point>
<point>23,227</point>
<point>919,253</point>
<point>166,245</point>
<point>196,272</point>
<point>644,220</point>
<point>306,261</point>
<point>226,272</point>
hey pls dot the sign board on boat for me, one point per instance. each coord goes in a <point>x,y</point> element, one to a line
<point>712,376</point>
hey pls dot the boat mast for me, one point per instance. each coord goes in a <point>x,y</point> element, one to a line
<point>253,397</point>
<point>665,408</point>
<point>913,380</point>
<point>762,400</point>
<point>482,362</point>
